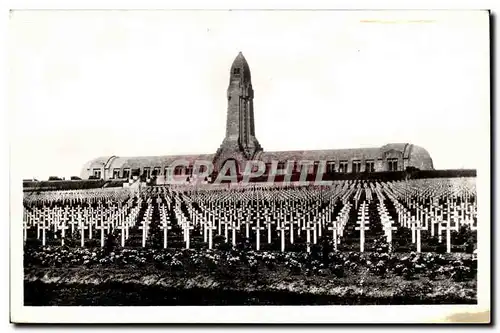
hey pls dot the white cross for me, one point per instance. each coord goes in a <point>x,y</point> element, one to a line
<point>101,227</point>
<point>186,228</point>
<point>283,228</point>
<point>74,222</point>
<point>210,228</point>
<point>315,225</point>
<point>308,228</point>
<point>144,228</point>
<point>413,230</point>
<point>334,230</point>
<point>226,224</point>
<point>247,224</point>
<point>389,228</point>
<point>25,230</point>
<point>82,228</point>
<point>122,228</point>
<point>291,223</point>
<point>43,226</point>
<point>362,228</point>
<point>258,228</point>
<point>268,224</point>
<point>418,228</point>
<point>233,227</point>
<point>448,229</point>
<point>165,228</point>
<point>63,227</point>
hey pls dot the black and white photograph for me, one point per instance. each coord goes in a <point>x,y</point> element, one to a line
<point>297,163</point>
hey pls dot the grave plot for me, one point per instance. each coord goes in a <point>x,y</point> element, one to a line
<point>393,235</point>
<point>419,215</point>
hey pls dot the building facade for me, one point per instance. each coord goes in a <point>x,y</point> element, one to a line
<point>240,145</point>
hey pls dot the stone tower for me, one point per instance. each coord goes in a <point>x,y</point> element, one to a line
<point>240,142</point>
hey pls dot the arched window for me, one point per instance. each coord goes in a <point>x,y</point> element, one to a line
<point>178,170</point>
<point>330,166</point>
<point>343,166</point>
<point>356,166</point>
<point>392,164</point>
<point>126,173</point>
<point>370,166</point>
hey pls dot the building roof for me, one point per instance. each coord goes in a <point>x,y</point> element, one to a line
<point>415,155</point>
<point>114,162</point>
<point>321,155</point>
<point>420,158</point>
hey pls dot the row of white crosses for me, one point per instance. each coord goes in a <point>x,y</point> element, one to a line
<point>65,212</point>
<point>231,218</point>
<point>363,221</point>
<point>426,217</point>
<point>339,224</point>
<point>74,197</point>
<point>165,223</point>
<point>146,221</point>
<point>185,226</point>
<point>387,222</point>
<point>292,210</point>
<point>128,221</point>
<point>406,220</point>
<point>85,219</point>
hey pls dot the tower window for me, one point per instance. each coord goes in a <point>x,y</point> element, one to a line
<point>126,173</point>
<point>356,166</point>
<point>330,167</point>
<point>370,166</point>
<point>315,167</point>
<point>178,170</point>
<point>236,71</point>
<point>393,164</point>
<point>343,166</point>
<point>97,173</point>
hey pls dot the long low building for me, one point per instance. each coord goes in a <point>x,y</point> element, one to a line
<point>240,145</point>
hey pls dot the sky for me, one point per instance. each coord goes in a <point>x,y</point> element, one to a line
<point>84,84</point>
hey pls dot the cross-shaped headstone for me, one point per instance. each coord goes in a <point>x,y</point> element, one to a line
<point>144,228</point>
<point>257,229</point>
<point>101,226</point>
<point>82,228</point>
<point>334,230</point>
<point>282,229</point>
<point>186,227</point>
<point>418,229</point>
<point>165,227</point>
<point>362,228</point>
<point>308,228</point>
<point>63,227</point>
<point>25,230</point>
<point>122,227</point>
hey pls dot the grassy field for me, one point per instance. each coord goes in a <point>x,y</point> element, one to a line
<point>62,276</point>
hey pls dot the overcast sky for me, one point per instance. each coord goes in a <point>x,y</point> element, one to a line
<point>85,84</point>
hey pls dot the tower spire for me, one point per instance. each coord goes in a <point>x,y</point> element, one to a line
<point>240,128</point>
